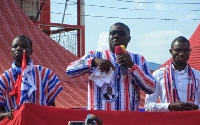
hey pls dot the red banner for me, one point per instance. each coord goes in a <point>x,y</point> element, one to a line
<point>32,114</point>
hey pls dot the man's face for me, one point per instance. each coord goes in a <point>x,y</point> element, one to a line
<point>118,35</point>
<point>18,45</point>
<point>109,90</point>
<point>180,52</point>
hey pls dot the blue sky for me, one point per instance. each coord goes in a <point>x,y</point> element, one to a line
<point>153,23</point>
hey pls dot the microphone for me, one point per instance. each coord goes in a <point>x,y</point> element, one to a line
<point>120,50</point>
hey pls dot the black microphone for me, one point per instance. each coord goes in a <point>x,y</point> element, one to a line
<point>120,50</point>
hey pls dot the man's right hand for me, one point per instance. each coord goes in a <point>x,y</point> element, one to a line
<point>103,64</point>
<point>10,115</point>
<point>4,114</point>
<point>180,106</point>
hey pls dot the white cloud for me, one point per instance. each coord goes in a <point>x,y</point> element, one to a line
<point>159,6</point>
<point>154,46</point>
<point>139,5</point>
<point>103,41</point>
<point>190,16</point>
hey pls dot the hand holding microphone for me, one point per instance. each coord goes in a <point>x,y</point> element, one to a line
<point>123,59</point>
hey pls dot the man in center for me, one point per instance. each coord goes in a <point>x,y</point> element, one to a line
<point>124,86</point>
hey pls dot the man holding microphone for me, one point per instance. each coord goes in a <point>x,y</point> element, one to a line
<point>126,73</point>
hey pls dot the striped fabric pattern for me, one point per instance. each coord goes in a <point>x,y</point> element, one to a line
<point>125,93</point>
<point>171,92</point>
<point>47,84</point>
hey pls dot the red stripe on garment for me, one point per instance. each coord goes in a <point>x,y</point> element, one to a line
<point>7,90</point>
<point>11,76</point>
<point>1,98</point>
<point>50,78</point>
<point>50,75</point>
<point>188,92</point>
<point>90,60</point>
<point>107,54</point>
<point>192,91</point>
<point>147,81</point>
<point>108,106</point>
<point>166,86</point>
<point>37,85</point>
<point>12,81</point>
<point>92,52</point>
<point>43,76</point>
<point>142,60</point>
<point>126,92</point>
<point>54,90</point>
<point>170,83</point>
<point>191,87</point>
<point>4,79</point>
<point>43,72</point>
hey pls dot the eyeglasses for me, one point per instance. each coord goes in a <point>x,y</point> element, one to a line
<point>120,33</point>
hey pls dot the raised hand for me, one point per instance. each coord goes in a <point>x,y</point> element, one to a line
<point>103,64</point>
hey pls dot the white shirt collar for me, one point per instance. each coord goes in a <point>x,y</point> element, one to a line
<point>182,71</point>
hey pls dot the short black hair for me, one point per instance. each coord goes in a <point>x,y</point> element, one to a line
<point>180,39</point>
<point>120,23</point>
<point>25,37</point>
